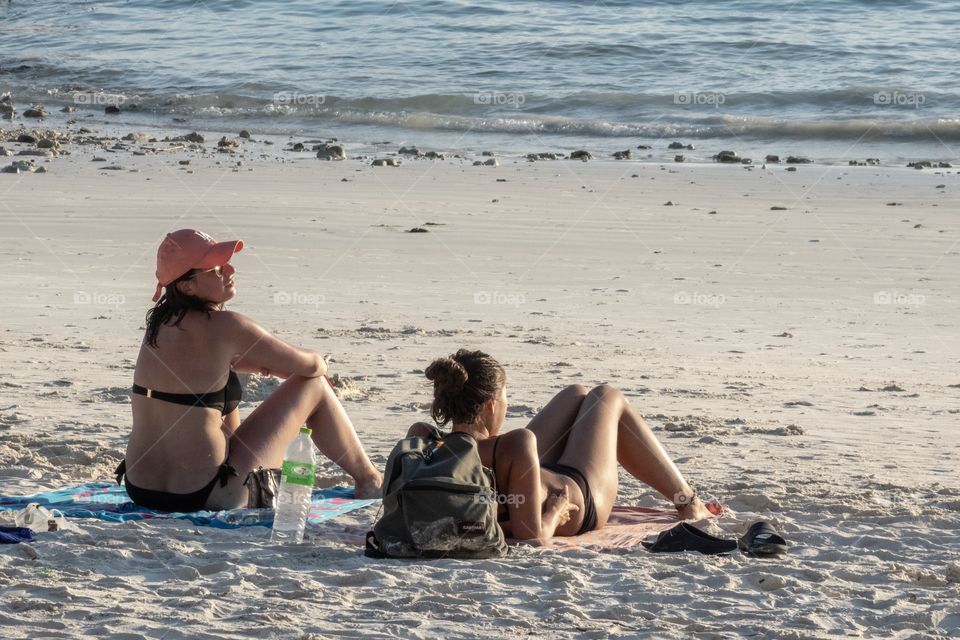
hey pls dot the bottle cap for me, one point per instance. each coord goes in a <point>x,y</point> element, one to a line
<point>306,430</point>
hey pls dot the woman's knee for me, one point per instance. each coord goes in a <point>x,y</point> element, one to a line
<point>608,393</point>
<point>575,391</point>
<point>420,429</point>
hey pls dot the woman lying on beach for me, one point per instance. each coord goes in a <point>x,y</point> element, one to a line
<point>189,450</point>
<point>560,473</point>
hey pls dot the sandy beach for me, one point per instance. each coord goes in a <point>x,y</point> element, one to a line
<point>793,337</point>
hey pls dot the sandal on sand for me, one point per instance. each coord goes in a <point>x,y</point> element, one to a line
<point>761,539</point>
<point>686,537</point>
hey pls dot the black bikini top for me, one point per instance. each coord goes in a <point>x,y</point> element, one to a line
<point>226,399</point>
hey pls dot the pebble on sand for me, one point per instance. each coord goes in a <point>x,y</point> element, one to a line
<point>35,112</point>
<point>327,151</point>
<point>727,156</point>
<point>190,137</point>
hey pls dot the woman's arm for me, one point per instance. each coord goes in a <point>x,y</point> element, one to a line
<point>530,518</point>
<point>256,350</point>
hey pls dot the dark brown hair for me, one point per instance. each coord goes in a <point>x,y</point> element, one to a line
<point>172,303</point>
<point>462,382</point>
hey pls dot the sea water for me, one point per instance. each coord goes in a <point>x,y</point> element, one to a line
<point>828,78</point>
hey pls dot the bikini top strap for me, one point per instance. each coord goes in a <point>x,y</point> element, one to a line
<point>121,471</point>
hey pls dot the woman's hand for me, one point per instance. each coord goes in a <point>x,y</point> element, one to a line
<point>557,508</point>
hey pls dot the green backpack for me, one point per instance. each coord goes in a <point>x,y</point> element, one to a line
<point>439,501</point>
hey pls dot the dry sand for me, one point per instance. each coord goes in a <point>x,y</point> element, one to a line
<point>801,365</point>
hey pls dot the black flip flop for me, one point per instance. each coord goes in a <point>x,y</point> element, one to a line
<point>686,537</point>
<point>761,539</point>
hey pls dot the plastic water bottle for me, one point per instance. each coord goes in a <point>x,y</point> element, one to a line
<point>296,485</point>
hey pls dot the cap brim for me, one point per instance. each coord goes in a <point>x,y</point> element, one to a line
<point>219,254</point>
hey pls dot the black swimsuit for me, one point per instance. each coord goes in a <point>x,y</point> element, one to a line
<point>589,508</point>
<point>226,400</point>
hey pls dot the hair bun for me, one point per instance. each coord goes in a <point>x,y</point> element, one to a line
<point>447,374</point>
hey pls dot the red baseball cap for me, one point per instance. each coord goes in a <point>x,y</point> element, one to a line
<point>188,249</point>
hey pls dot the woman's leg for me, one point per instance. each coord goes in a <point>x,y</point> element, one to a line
<point>262,438</point>
<point>552,425</point>
<point>609,429</point>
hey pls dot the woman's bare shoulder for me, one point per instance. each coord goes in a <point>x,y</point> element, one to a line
<point>517,442</point>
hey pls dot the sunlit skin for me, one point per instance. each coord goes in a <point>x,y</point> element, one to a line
<point>178,449</point>
<point>592,430</point>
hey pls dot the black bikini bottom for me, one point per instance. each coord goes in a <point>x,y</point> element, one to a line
<point>180,502</point>
<point>589,508</point>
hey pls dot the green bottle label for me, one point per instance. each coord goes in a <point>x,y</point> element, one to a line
<point>298,472</point>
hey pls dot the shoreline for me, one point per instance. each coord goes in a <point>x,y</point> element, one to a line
<point>368,140</point>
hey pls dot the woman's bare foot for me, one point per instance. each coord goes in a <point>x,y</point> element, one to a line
<point>693,508</point>
<point>369,487</point>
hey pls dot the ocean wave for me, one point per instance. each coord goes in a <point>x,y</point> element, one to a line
<point>604,115</point>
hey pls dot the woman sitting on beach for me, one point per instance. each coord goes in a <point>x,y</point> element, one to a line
<point>189,450</point>
<point>559,475</point>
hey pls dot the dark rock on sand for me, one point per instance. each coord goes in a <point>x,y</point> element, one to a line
<point>798,160</point>
<point>791,168</point>
<point>7,109</point>
<point>776,208</point>
<point>581,154</point>
<point>111,108</point>
<point>26,138</point>
<point>930,164</point>
<point>533,157</point>
<point>433,155</point>
<point>492,162</point>
<point>385,162</point>
<point>190,137</point>
<point>644,146</point>
<point>227,143</point>
<point>327,151</point>
<point>47,143</point>
<point>488,154</point>
<point>35,112</point>
<point>244,134</point>
<point>746,161</point>
<point>5,152</point>
<point>679,158</point>
<point>19,166</point>
<point>626,154</point>
<point>727,156</point>
<point>410,151</point>
<point>417,230</point>
<point>772,159</point>
<point>138,137</point>
<point>676,145</point>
